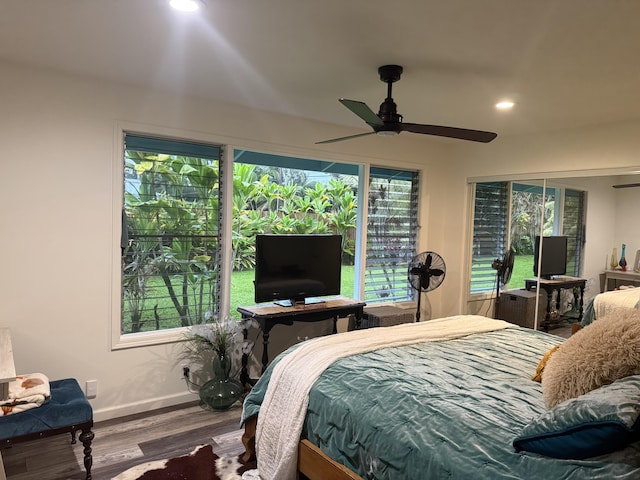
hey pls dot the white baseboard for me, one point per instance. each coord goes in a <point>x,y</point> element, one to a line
<point>144,406</point>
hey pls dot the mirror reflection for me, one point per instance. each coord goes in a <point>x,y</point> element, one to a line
<point>590,244</point>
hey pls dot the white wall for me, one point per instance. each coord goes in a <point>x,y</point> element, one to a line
<point>59,216</point>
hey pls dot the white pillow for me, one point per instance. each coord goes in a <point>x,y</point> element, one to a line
<point>599,354</point>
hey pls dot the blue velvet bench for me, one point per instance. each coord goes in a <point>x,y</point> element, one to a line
<point>68,411</point>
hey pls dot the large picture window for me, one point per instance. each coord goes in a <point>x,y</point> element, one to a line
<point>277,194</point>
<point>173,213</point>
<point>280,194</point>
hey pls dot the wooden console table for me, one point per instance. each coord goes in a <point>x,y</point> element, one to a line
<point>558,284</point>
<point>270,315</point>
<point>628,276</point>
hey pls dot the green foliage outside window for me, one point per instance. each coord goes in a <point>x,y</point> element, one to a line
<point>171,206</point>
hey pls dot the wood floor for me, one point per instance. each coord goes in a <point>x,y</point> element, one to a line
<point>124,442</point>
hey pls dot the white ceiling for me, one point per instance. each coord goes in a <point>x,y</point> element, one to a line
<point>567,63</point>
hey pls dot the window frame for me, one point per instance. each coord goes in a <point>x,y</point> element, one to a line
<point>168,335</point>
<point>410,223</point>
<point>228,145</point>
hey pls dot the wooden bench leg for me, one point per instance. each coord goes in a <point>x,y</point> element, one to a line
<point>249,439</point>
<point>86,437</point>
<point>3,476</point>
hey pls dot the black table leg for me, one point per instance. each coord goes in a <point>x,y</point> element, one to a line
<point>581,303</point>
<point>547,317</point>
<point>266,328</point>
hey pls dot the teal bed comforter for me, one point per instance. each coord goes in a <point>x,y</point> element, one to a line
<point>441,410</point>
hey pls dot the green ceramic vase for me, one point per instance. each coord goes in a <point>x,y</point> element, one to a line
<point>221,391</point>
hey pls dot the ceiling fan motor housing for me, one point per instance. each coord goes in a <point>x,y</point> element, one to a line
<point>388,112</point>
<point>388,109</point>
<point>390,73</point>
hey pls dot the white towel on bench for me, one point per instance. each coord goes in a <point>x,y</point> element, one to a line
<point>25,392</point>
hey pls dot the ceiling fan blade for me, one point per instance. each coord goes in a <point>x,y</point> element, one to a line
<point>626,185</point>
<point>345,138</point>
<point>362,110</point>
<point>451,132</point>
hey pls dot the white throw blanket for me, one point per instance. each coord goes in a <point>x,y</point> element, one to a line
<point>26,392</point>
<point>285,403</point>
<point>616,301</point>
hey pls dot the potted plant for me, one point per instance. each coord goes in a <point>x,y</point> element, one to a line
<point>217,342</point>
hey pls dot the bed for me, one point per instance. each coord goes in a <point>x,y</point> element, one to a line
<point>449,398</point>
<point>611,302</point>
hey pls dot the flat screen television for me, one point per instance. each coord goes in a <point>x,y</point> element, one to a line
<point>293,269</point>
<point>554,256</point>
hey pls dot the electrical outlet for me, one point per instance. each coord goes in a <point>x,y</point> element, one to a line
<point>185,372</point>
<point>91,388</point>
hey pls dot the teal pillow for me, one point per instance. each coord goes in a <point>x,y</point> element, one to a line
<point>596,423</point>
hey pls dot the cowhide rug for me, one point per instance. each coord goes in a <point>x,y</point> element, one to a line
<point>201,464</point>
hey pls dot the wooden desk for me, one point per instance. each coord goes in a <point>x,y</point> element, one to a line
<point>558,284</point>
<point>270,315</point>
<point>629,276</point>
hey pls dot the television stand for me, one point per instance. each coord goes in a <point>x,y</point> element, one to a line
<point>294,303</point>
<point>558,283</point>
<point>270,315</point>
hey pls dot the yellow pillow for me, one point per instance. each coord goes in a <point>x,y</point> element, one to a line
<point>537,377</point>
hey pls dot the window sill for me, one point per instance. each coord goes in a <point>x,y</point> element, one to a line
<point>146,339</point>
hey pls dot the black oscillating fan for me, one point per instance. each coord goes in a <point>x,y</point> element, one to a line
<point>503,267</point>
<point>426,273</point>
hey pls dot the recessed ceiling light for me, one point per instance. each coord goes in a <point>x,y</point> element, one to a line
<point>186,5</point>
<point>505,105</point>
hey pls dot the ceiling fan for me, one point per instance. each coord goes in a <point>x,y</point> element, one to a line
<point>389,122</point>
<point>626,185</point>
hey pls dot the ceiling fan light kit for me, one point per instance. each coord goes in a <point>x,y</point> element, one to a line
<point>388,121</point>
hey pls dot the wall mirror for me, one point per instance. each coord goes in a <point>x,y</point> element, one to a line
<point>596,212</point>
